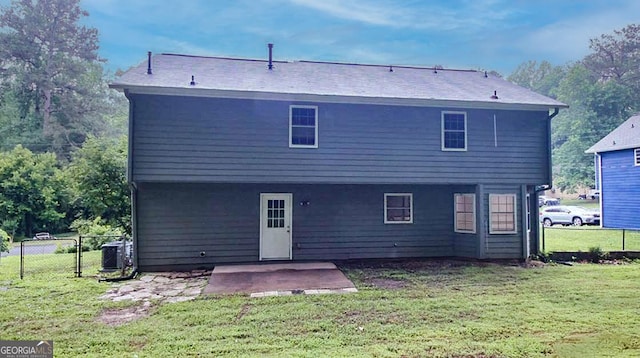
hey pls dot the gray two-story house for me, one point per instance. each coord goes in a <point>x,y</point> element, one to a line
<point>236,160</point>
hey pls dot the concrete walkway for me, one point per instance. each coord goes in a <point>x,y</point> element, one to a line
<point>279,279</point>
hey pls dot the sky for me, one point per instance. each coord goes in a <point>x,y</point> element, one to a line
<point>465,34</point>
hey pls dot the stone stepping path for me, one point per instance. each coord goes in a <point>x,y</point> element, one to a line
<point>160,287</point>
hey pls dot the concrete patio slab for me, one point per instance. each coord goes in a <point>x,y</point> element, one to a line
<point>281,278</point>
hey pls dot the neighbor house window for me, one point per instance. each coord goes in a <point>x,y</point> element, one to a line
<point>398,208</point>
<point>465,213</point>
<point>454,131</point>
<point>303,126</point>
<point>502,214</point>
<point>636,155</point>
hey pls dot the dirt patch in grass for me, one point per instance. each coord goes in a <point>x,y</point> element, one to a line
<point>243,311</point>
<point>137,344</point>
<point>118,316</point>
<point>387,283</point>
<point>415,265</point>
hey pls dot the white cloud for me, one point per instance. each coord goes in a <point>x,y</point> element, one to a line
<point>568,39</point>
<point>410,15</point>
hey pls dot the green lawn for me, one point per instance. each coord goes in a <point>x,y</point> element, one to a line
<point>591,204</point>
<point>445,309</point>
<point>570,238</point>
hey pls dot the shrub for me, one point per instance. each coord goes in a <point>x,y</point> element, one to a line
<point>95,232</point>
<point>4,241</point>
<point>596,254</point>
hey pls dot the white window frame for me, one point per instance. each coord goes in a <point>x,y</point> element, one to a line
<point>515,216</point>
<point>410,195</point>
<point>466,145</point>
<point>455,212</point>
<point>636,157</point>
<point>291,145</point>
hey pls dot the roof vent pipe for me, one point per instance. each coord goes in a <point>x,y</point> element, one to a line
<point>270,56</point>
<point>149,63</point>
<point>495,95</point>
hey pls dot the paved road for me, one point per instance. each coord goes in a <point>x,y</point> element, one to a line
<point>31,249</point>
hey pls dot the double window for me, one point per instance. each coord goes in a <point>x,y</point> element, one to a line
<point>303,127</point>
<point>502,214</point>
<point>465,213</point>
<point>454,131</point>
<point>398,208</point>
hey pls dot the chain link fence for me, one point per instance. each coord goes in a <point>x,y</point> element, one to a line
<point>48,255</point>
<point>584,238</point>
<point>83,256</point>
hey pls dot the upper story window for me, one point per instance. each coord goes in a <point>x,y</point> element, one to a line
<point>398,208</point>
<point>454,131</point>
<point>303,126</point>
<point>636,155</point>
<point>502,214</point>
<point>465,211</point>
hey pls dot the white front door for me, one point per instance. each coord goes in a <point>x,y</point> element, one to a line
<point>275,226</point>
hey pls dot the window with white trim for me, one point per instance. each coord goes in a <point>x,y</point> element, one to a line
<point>398,208</point>
<point>303,126</point>
<point>454,131</point>
<point>636,155</point>
<point>465,213</point>
<point>502,214</point>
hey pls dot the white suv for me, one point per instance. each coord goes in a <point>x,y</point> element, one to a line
<point>568,215</point>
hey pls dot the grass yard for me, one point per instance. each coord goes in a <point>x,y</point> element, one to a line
<point>589,204</point>
<point>559,238</point>
<point>415,309</point>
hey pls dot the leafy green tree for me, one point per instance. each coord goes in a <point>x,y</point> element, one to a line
<point>602,90</point>
<point>596,108</point>
<point>33,193</point>
<point>540,77</point>
<point>98,171</point>
<point>53,71</point>
<point>616,57</point>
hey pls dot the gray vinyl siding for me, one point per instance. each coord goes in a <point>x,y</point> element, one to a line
<point>466,245</point>
<point>176,222</point>
<point>503,246</point>
<point>208,140</point>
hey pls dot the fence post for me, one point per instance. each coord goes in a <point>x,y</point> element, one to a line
<point>21,259</point>
<point>543,248</point>
<point>623,232</point>
<point>80,256</point>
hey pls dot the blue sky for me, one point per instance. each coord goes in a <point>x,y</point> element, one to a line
<point>477,34</point>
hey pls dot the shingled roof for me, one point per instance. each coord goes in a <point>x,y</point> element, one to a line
<point>327,81</point>
<point>626,136</point>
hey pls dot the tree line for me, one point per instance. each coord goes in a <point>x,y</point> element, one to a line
<point>64,146</point>
<point>602,90</point>
<point>63,150</point>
